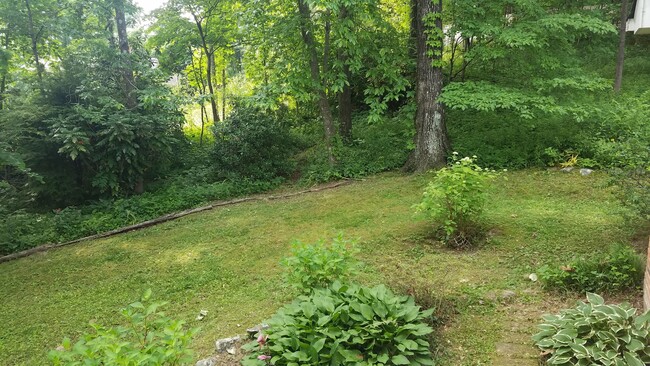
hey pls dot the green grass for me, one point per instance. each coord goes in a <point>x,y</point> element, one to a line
<point>226,261</point>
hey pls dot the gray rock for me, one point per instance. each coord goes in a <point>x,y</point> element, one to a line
<point>254,331</point>
<point>585,171</point>
<point>202,315</point>
<point>222,345</point>
<point>207,362</point>
<point>567,169</point>
<point>501,296</point>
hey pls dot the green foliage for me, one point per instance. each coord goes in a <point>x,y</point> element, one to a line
<point>313,266</point>
<point>376,147</point>
<point>22,230</point>
<point>455,199</point>
<point>620,269</point>
<point>504,140</point>
<point>253,144</point>
<point>345,325</point>
<point>622,143</point>
<point>148,337</point>
<point>594,333</point>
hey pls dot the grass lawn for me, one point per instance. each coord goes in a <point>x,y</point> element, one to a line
<point>226,261</point>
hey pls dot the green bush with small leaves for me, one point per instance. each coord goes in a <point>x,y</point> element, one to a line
<point>318,265</point>
<point>594,333</point>
<point>455,199</point>
<point>619,269</point>
<point>345,325</point>
<point>149,338</point>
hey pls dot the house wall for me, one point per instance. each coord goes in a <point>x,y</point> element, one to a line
<point>640,23</point>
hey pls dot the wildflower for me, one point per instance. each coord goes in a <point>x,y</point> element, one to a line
<point>261,339</point>
<point>263,357</point>
<point>455,153</point>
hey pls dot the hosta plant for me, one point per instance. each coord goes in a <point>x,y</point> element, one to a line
<point>345,325</point>
<point>594,333</point>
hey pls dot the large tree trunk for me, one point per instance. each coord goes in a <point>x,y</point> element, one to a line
<point>306,30</point>
<point>345,97</point>
<point>431,141</point>
<point>620,58</point>
<point>123,40</point>
<point>34,35</point>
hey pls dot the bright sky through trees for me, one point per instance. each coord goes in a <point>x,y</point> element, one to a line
<point>149,5</point>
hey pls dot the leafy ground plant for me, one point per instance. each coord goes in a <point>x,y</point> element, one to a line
<point>345,325</point>
<point>148,338</point>
<point>318,265</point>
<point>455,198</point>
<point>619,269</point>
<point>594,333</point>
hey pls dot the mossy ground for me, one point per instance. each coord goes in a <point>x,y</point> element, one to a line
<point>226,261</point>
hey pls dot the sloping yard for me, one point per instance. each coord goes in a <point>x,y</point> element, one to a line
<point>226,262</point>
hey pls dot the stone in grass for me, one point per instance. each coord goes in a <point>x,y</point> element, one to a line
<point>503,295</point>
<point>254,331</point>
<point>585,171</point>
<point>207,362</point>
<point>226,344</point>
<point>567,169</point>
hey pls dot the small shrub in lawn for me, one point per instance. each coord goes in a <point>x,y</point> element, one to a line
<point>345,325</point>
<point>148,338</point>
<point>455,199</point>
<point>318,265</point>
<point>620,269</point>
<point>594,333</point>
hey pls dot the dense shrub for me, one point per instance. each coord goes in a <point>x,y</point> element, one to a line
<point>455,199</point>
<point>620,269</point>
<point>345,325</point>
<point>253,144</point>
<point>622,144</point>
<point>375,148</point>
<point>595,334</point>
<point>505,140</point>
<point>148,338</point>
<point>319,265</point>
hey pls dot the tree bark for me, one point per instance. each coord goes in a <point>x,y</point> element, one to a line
<point>620,58</point>
<point>3,82</point>
<point>431,141</point>
<point>123,40</point>
<point>345,97</point>
<point>223,94</point>
<point>314,67</point>
<point>33,35</point>
<point>209,53</point>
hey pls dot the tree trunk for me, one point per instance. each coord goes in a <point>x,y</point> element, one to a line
<point>202,124</point>
<point>345,105</point>
<point>123,40</point>
<point>223,94</point>
<point>33,35</point>
<point>210,66</point>
<point>323,103</point>
<point>3,82</point>
<point>620,58</point>
<point>431,142</point>
<point>345,97</point>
